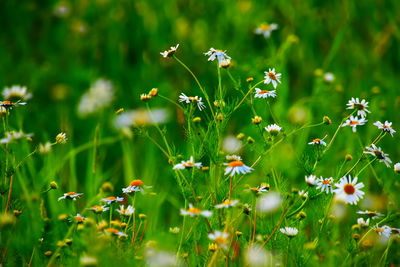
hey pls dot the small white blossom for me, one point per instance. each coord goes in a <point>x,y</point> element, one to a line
<point>192,211</point>
<point>272,77</point>
<point>264,93</point>
<point>99,96</point>
<point>236,166</point>
<point>15,136</point>
<point>266,29</point>
<point>379,154</point>
<point>126,212</point>
<point>273,129</point>
<point>325,184</point>
<point>289,231</point>
<point>187,164</point>
<point>192,99</point>
<point>363,223</point>
<point>220,55</point>
<point>386,127</point>
<point>16,93</point>
<point>353,122</point>
<point>227,203</point>
<point>220,238</point>
<point>360,106</point>
<point>397,167</point>
<point>170,52</point>
<point>311,180</point>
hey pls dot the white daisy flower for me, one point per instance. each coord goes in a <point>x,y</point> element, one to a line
<point>134,186</point>
<point>272,77</point>
<point>348,190</point>
<point>363,223</point>
<point>263,188</point>
<point>110,200</point>
<point>44,148</point>
<point>9,104</point>
<point>236,166</point>
<point>70,195</point>
<point>318,141</point>
<point>397,167</point>
<point>16,93</point>
<point>188,164</point>
<point>15,136</point>
<point>325,184</point>
<point>354,103</point>
<point>227,203</point>
<point>273,129</point>
<point>386,127</point>
<point>266,29</point>
<point>115,232</point>
<point>264,93</point>
<point>379,154</point>
<point>126,212</point>
<point>170,52</point>
<point>192,211</point>
<point>289,231</point>
<point>384,230</point>
<point>192,99</point>
<point>220,55</point>
<point>99,209</point>
<point>311,180</point>
<point>353,122</point>
<point>79,218</point>
<point>220,238</point>
<point>371,214</point>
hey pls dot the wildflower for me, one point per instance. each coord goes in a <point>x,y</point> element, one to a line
<point>53,185</point>
<point>220,238</point>
<point>86,260</point>
<point>153,92</point>
<point>188,164</point>
<point>115,232</point>
<point>318,141</point>
<point>99,96</point>
<point>273,129</point>
<point>15,136</point>
<point>379,154</point>
<point>99,209</point>
<point>110,200</point>
<point>44,148</point>
<point>258,257</point>
<point>79,218</point>
<point>70,195</point>
<point>325,184</point>
<point>249,80</point>
<point>263,188</point>
<point>170,52</point>
<point>383,230</point>
<point>329,77</point>
<point>61,138</point>
<point>16,93</point>
<point>192,211</point>
<point>289,231</point>
<point>145,97</point>
<point>354,122</point>
<point>326,120</point>
<point>311,180</point>
<point>134,186</point>
<point>266,29</point>
<point>363,223</point>
<point>303,194</point>
<point>126,212</point>
<point>192,99</point>
<point>397,167</point>
<point>140,117</point>
<point>236,165</point>
<point>227,203</point>
<point>272,77</point>
<point>269,202</point>
<point>372,214</point>
<point>256,120</point>
<point>264,93</point>
<point>360,106</point>
<point>174,230</point>
<point>9,104</point>
<point>348,190</point>
<point>385,127</point>
<point>220,55</point>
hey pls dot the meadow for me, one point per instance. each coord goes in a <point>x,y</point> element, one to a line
<point>199,133</point>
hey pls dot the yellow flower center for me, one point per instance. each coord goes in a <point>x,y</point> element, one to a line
<point>236,163</point>
<point>353,122</point>
<point>326,181</point>
<point>137,183</point>
<point>194,210</point>
<point>264,92</point>
<point>272,75</point>
<point>349,189</point>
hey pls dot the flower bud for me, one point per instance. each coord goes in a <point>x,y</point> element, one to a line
<point>256,120</point>
<point>153,92</point>
<point>326,120</point>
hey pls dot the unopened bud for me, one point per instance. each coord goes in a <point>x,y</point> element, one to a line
<point>153,92</point>
<point>348,157</point>
<point>256,120</point>
<point>326,120</point>
<point>249,80</point>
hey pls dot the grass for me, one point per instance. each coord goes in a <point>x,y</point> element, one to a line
<point>58,56</point>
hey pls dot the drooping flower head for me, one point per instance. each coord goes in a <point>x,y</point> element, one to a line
<point>318,141</point>
<point>311,180</point>
<point>379,154</point>
<point>110,200</point>
<point>16,93</point>
<point>128,211</point>
<point>70,195</point>
<point>264,93</point>
<point>385,127</point>
<point>170,52</point>
<point>227,204</point>
<point>220,55</point>
<point>192,99</point>
<point>134,186</point>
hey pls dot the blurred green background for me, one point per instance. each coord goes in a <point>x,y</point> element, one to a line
<point>58,48</point>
